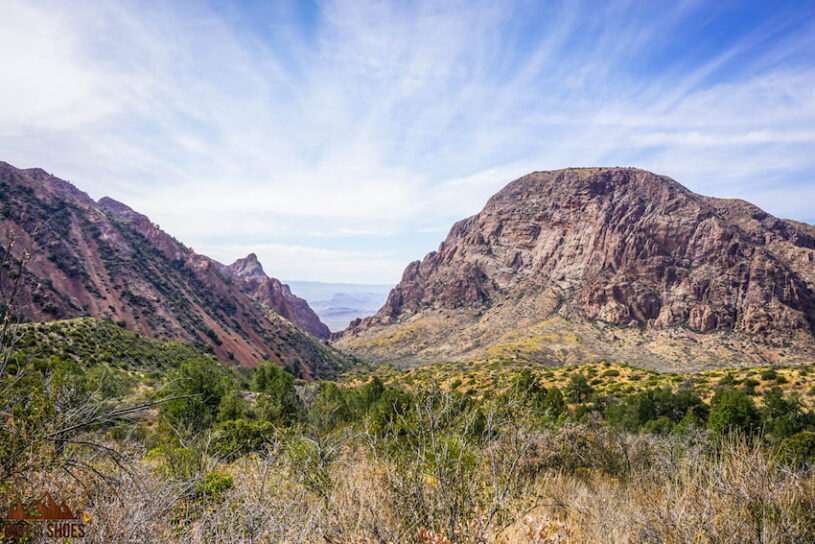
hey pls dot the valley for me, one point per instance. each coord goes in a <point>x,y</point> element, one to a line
<point>599,350</point>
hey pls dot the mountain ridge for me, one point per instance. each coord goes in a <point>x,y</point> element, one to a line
<point>275,295</point>
<point>105,260</point>
<point>601,248</point>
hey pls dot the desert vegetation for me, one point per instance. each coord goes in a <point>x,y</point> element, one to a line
<point>176,447</point>
<point>210,455</point>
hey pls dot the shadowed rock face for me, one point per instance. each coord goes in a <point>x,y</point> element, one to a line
<point>619,246</point>
<point>275,295</point>
<point>108,261</point>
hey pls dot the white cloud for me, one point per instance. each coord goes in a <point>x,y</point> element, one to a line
<point>385,119</point>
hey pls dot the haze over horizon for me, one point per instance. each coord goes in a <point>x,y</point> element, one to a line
<point>340,140</point>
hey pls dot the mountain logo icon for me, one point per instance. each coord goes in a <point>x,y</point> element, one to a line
<point>44,509</point>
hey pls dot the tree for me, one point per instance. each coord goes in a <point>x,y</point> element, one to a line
<point>232,406</point>
<point>783,414</point>
<point>732,410</point>
<point>800,447</point>
<point>553,402</point>
<point>330,407</point>
<point>578,389</point>
<point>202,383</point>
<point>278,401</point>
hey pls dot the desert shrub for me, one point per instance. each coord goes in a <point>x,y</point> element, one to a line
<point>578,390</point>
<point>333,406</point>
<point>200,383</point>
<point>233,439</point>
<point>386,415</point>
<point>727,379</point>
<point>310,460</point>
<point>277,401</point>
<point>800,448</point>
<point>179,463</point>
<point>639,409</point>
<point>213,486</point>
<point>749,386</point>
<point>732,410</point>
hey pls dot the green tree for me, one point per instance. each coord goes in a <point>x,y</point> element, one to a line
<point>202,383</point>
<point>733,410</point>
<point>330,407</point>
<point>278,401</point>
<point>578,390</point>
<point>783,414</point>
<point>553,402</point>
<point>233,406</point>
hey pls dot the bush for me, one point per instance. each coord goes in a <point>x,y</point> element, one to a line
<point>800,448</point>
<point>732,410</point>
<point>203,382</point>
<point>213,486</point>
<point>278,401</point>
<point>233,439</point>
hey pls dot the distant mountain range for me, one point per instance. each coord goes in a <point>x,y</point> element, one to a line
<point>585,264</point>
<point>105,260</point>
<point>338,304</point>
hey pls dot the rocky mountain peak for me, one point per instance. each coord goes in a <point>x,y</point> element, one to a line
<point>248,269</point>
<point>105,260</point>
<point>275,295</point>
<point>618,246</point>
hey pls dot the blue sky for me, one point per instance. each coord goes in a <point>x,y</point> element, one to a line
<point>340,140</point>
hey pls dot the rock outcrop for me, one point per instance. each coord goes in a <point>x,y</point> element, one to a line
<point>275,295</point>
<point>105,260</point>
<point>617,247</point>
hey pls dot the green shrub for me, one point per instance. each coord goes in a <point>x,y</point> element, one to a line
<point>233,439</point>
<point>278,401</point>
<point>732,410</point>
<point>799,448</point>
<point>213,486</point>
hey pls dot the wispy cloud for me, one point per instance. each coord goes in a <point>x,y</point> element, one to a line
<point>357,129</point>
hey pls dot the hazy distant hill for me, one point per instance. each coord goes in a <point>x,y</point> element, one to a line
<point>338,304</point>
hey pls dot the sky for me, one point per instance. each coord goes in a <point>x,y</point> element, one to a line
<point>340,140</point>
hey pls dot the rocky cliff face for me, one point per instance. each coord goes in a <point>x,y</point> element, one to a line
<point>275,295</point>
<point>613,247</point>
<point>107,261</point>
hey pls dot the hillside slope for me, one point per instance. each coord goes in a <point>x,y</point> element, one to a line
<point>577,265</point>
<point>92,341</point>
<point>107,261</point>
<point>275,295</point>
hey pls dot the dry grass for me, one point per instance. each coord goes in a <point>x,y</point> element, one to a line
<point>578,484</point>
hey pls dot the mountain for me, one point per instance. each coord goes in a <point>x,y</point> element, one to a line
<point>578,265</point>
<point>105,260</point>
<point>338,304</point>
<point>275,295</point>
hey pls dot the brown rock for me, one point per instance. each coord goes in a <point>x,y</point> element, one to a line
<point>617,245</point>
<point>108,261</point>
<point>275,295</point>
